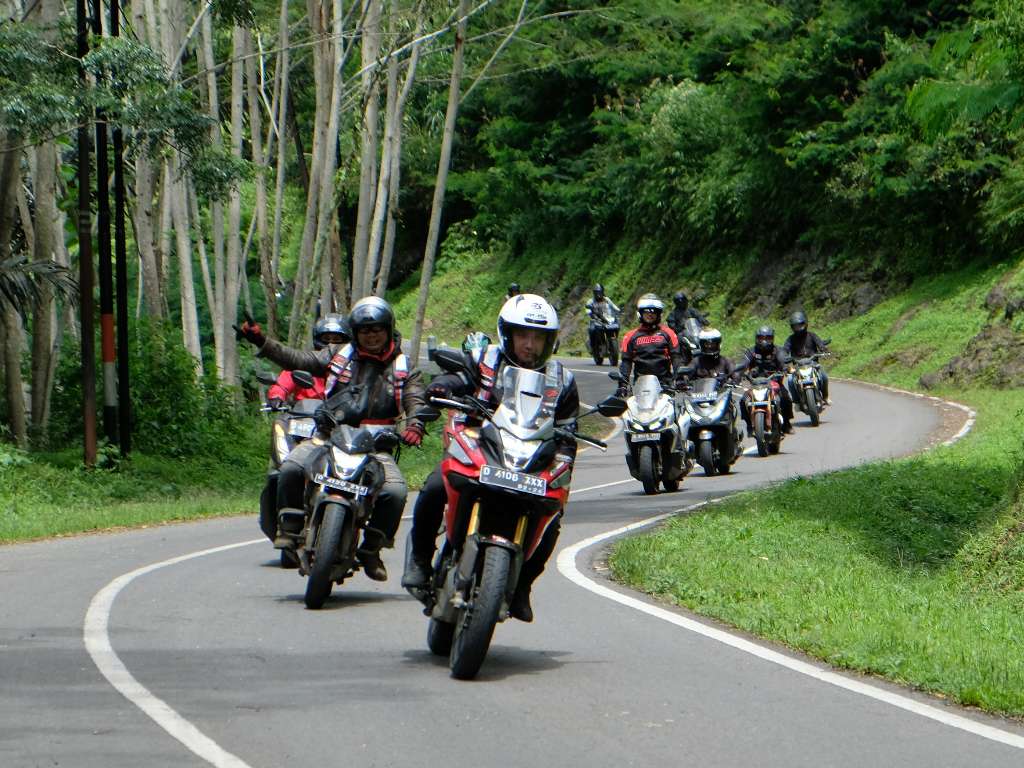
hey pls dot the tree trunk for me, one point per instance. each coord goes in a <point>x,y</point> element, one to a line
<point>10,321</point>
<point>370,49</point>
<point>441,183</point>
<point>283,101</point>
<point>259,159</point>
<point>183,245</point>
<point>395,161</point>
<point>142,217</point>
<point>232,284</point>
<point>323,71</point>
<point>216,207</point>
<point>44,312</point>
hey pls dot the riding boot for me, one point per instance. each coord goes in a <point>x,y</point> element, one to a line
<point>417,568</point>
<point>369,554</point>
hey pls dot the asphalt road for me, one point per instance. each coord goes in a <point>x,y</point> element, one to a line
<point>220,649</point>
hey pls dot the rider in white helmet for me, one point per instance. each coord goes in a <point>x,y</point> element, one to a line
<point>710,363</point>
<point>651,347</point>
<point>527,330</point>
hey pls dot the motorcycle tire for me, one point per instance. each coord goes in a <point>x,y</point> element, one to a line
<point>289,560</point>
<point>647,468</point>
<point>812,406</point>
<point>598,354</point>
<point>475,628</point>
<point>613,353</point>
<point>759,434</point>
<point>439,637</point>
<point>671,485</point>
<point>333,534</point>
<point>706,458</point>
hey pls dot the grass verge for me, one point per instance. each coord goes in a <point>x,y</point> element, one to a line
<point>911,569</point>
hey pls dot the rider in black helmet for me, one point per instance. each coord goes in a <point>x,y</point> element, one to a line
<point>762,360</point>
<point>804,343</point>
<point>681,312</point>
<point>513,290</point>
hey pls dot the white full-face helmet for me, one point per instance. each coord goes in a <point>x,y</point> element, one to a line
<point>649,301</point>
<point>710,342</point>
<point>527,310</point>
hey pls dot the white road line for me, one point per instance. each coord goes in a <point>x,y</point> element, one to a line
<point>97,641</point>
<point>567,567</point>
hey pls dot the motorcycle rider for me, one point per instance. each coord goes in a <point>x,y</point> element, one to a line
<point>650,348</point>
<point>527,329</point>
<point>762,360</point>
<point>513,290</point>
<point>373,367</point>
<point>804,343</point>
<point>329,329</point>
<point>599,308</point>
<point>682,311</point>
<point>710,363</point>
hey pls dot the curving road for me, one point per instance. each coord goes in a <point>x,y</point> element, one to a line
<point>220,649</point>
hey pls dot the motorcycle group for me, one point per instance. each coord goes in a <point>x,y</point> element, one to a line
<point>334,494</point>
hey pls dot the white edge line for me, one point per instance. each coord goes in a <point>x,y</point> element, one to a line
<point>97,642</point>
<point>567,567</point>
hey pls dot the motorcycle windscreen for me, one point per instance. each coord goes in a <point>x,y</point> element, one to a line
<point>646,390</point>
<point>693,327</point>
<point>705,386</point>
<point>528,400</point>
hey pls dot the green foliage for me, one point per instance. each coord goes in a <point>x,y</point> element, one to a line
<point>174,412</point>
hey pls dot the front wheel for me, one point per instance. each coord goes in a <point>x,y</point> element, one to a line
<point>476,625</point>
<point>706,457</point>
<point>759,435</point>
<point>811,399</point>
<point>647,468</point>
<point>439,637</point>
<point>329,538</point>
<point>613,352</point>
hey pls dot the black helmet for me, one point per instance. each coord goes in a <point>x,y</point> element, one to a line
<point>330,329</point>
<point>764,339</point>
<point>372,311</point>
<point>475,340</point>
<point>710,342</point>
<point>598,291</point>
<point>680,300</point>
<point>798,322</point>
<point>513,289</point>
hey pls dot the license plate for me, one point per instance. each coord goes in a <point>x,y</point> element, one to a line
<point>341,485</point>
<point>301,427</point>
<point>515,481</point>
<point>645,437</point>
<point>703,399</point>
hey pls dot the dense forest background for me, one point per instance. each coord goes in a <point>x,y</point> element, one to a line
<point>286,159</point>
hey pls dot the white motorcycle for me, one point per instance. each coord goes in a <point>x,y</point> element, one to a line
<point>656,429</point>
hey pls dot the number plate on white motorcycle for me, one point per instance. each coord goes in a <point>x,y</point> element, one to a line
<point>703,399</point>
<point>340,485</point>
<point>645,437</point>
<point>515,481</point>
<point>301,427</point>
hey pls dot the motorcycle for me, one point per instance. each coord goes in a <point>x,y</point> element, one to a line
<point>292,425</point>
<point>341,488</point>
<point>805,386</point>
<point>715,425</point>
<point>603,338</point>
<point>506,482</point>
<point>766,420</point>
<point>657,445</point>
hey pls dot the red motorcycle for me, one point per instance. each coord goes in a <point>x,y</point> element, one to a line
<point>762,403</point>
<point>506,482</point>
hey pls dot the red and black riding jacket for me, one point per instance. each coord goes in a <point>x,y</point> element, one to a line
<point>647,350</point>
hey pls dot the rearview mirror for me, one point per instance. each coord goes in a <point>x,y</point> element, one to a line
<point>450,360</point>
<point>827,341</point>
<point>612,406</point>
<point>614,375</point>
<point>264,377</point>
<point>303,378</point>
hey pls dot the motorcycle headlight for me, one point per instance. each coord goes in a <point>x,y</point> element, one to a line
<point>760,393</point>
<point>280,442</point>
<point>518,452</point>
<point>345,464</point>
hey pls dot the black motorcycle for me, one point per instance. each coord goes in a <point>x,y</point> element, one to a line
<point>603,337</point>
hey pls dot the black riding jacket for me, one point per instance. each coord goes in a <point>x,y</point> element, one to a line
<point>804,345</point>
<point>755,363</point>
